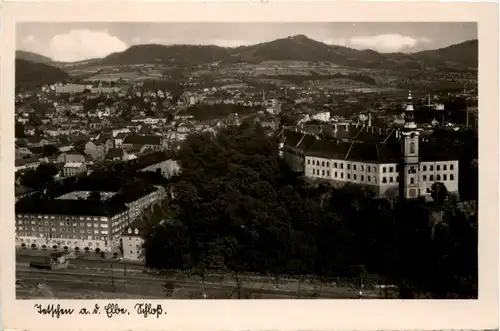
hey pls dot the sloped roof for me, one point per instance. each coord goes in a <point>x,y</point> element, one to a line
<point>69,207</point>
<point>357,152</point>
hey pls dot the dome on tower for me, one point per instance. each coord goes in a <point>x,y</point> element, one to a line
<point>409,104</point>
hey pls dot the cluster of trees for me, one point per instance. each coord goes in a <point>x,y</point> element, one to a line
<point>202,112</point>
<point>237,208</point>
<point>32,74</point>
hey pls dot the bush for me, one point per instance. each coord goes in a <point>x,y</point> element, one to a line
<point>44,246</point>
<point>115,254</point>
<point>33,246</point>
<point>103,255</point>
<point>65,248</point>
<point>87,249</point>
<point>23,245</point>
<point>77,248</point>
<point>97,250</point>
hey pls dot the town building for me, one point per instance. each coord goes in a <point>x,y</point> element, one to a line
<point>74,168</point>
<point>133,242</point>
<point>70,224</point>
<point>405,165</point>
<point>27,164</point>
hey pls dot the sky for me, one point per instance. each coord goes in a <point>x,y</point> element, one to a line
<point>81,41</point>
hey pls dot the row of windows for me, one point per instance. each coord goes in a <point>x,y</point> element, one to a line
<point>370,179</point>
<point>62,224</point>
<point>389,169</point>
<point>32,234</point>
<point>53,230</point>
<point>438,167</point>
<point>63,242</point>
<point>354,166</point>
<point>385,180</point>
<point>70,218</point>
<point>438,177</point>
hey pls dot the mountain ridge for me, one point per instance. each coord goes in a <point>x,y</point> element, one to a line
<point>298,48</point>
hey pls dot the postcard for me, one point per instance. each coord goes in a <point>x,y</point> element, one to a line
<point>249,166</point>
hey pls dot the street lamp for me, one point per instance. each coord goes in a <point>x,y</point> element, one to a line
<point>112,273</point>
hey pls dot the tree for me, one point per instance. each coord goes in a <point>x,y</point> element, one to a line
<point>266,220</point>
<point>19,130</point>
<point>439,193</point>
<point>94,196</point>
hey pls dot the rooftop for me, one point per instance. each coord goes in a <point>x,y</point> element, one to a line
<point>84,195</point>
<point>70,207</point>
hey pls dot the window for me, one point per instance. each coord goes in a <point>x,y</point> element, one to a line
<point>391,179</point>
<point>412,147</point>
<point>362,178</point>
<point>438,167</point>
<point>438,177</point>
<point>328,173</point>
<point>391,169</point>
<point>452,177</point>
<point>348,166</point>
<point>431,168</point>
<point>369,168</point>
<point>451,166</point>
<point>412,180</point>
<point>354,166</point>
<point>335,164</point>
<point>308,161</point>
<point>328,164</point>
<point>354,176</point>
<point>335,174</point>
<point>348,176</point>
<point>341,166</point>
<point>384,169</point>
<point>322,163</point>
<point>397,178</point>
<point>397,168</point>
<point>424,178</point>
<point>424,168</point>
<point>444,177</point>
<point>444,167</point>
<point>322,172</point>
<point>341,175</point>
<point>314,171</point>
<point>369,179</point>
<point>384,180</point>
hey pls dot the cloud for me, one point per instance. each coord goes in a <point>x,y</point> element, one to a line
<point>384,43</point>
<point>77,45</point>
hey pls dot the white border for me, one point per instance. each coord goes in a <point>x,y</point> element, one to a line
<point>267,314</point>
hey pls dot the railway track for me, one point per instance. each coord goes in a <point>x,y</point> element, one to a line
<point>86,279</point>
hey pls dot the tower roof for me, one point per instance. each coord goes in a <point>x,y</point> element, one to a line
<point>409,114</point>
<point>409,105</point>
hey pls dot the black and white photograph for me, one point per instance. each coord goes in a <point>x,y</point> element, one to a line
<point>246,160</point>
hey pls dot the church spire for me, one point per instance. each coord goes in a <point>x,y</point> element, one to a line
<point>410,114</point>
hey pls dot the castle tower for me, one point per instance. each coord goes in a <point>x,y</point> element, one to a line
<point>409,168</point>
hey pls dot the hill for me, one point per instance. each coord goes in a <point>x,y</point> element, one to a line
<point>462,55</point>
<point>33,57</point>
<point>30,74</point>
<point>299,48</point>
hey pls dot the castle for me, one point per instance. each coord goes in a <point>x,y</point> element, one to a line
<point>405,166</point>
